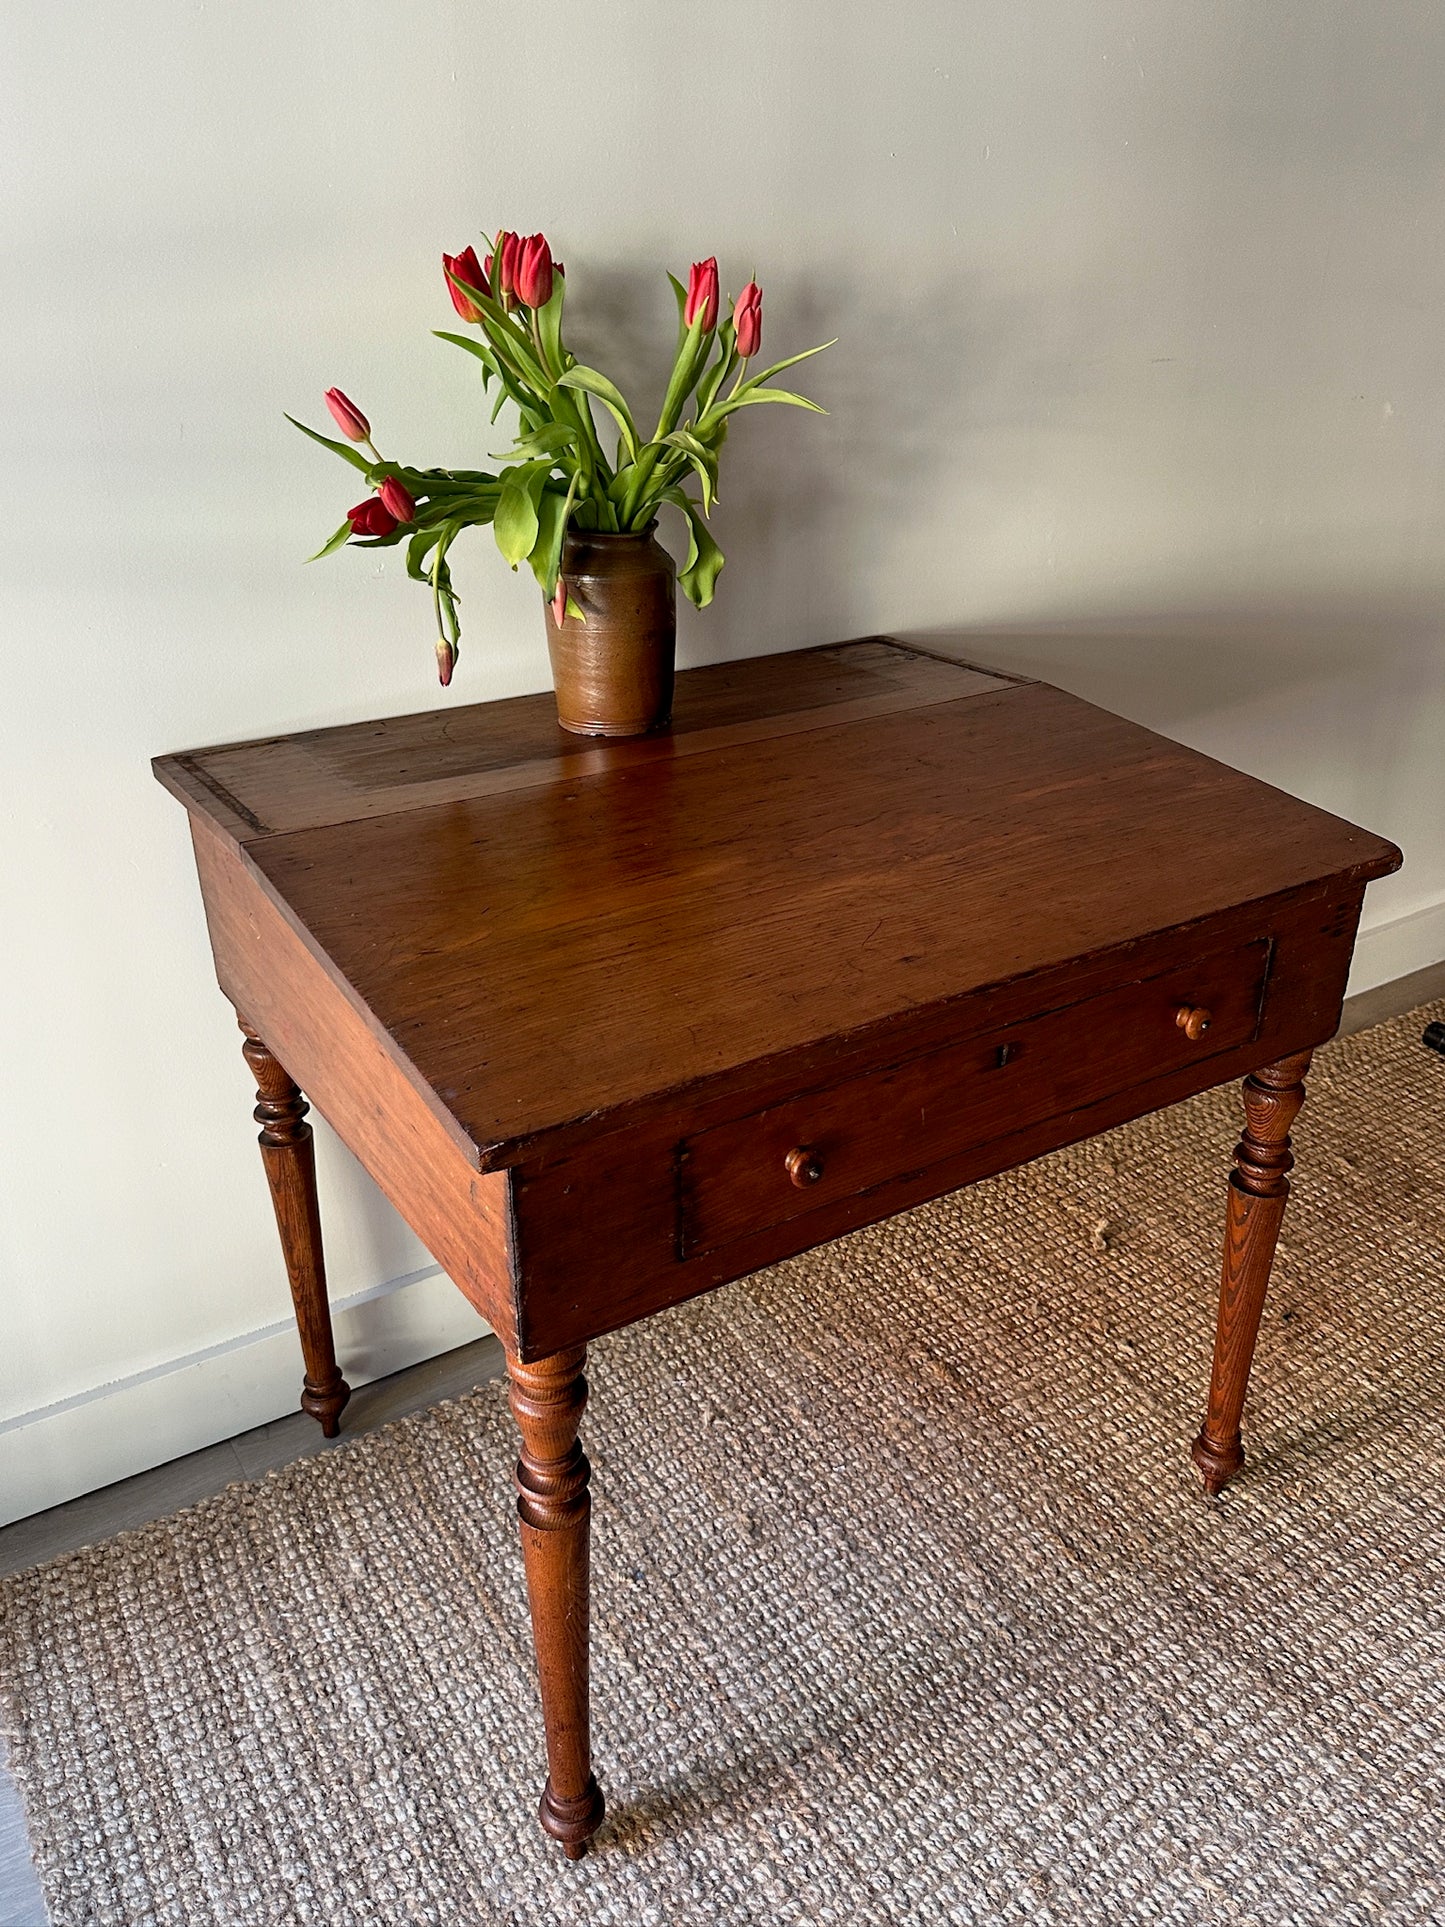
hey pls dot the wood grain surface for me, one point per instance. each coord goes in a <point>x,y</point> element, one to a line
<point>361,1086</point>
<point>551,955</point>
<point>341,774</point>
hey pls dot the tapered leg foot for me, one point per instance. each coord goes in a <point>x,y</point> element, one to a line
<point>289,1154</point>
<point>573,1822</point>
<point>1258,1188</point>
<point>548,1398</point>
<point>1217,1465</point>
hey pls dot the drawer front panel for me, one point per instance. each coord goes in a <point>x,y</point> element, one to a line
<point>780,1163</point>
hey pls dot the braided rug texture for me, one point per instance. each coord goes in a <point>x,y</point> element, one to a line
<point>908,1605</point>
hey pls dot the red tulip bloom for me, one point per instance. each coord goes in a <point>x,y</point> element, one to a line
<point>446,661</point>
<point>371,517</point>
<point>347,416</point>
<point>559,603</point>
<point>534,271</point>
<point>397,499</point>
<point>466,267</point>
<point>503,268</point>
<point>702,294</point>
<point>748,319</point>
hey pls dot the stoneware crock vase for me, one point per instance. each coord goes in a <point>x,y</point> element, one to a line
<point>613,673</point>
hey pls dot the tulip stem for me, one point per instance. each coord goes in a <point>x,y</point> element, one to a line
<point>437,567</point>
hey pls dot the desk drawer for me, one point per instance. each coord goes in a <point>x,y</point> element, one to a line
<point>777,1164</point>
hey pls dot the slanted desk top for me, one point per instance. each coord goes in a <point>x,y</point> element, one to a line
<point>614,1023</point>
<point>551,931</point>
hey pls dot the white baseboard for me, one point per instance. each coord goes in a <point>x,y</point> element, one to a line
<point>56,1452</point>
<point>1385,951</point>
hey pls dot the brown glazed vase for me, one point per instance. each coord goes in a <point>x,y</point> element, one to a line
<point>613,673</point>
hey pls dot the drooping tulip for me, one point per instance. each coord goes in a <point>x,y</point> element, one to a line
<point>347,416</point>
<point>466,267</point>
<point>398,499</point>
<point>559,603</point>
<point>371,517</point>
<point>446,661</point>
<point>502,268</point>
<point>748,320</point>
<point>534,271</point>
<point>702,294</point>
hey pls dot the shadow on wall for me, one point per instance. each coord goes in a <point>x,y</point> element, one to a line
<point>962,425</point>
<point>807,503</point>
<point>822,513</point>
<point>1172,669</point>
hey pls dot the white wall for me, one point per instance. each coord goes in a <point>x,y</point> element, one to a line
<point>1140,379</point>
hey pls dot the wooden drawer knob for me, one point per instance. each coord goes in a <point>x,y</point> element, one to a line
<point>1193,1020</point>
<point>803,1167</point>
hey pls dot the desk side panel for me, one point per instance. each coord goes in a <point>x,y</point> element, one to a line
<point>460,1214</point>
<point>597,1229</point>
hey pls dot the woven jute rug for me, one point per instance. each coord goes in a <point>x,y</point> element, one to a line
<point>908,1605</point>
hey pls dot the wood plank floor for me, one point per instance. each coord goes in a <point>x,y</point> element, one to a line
<point>156,1494</point>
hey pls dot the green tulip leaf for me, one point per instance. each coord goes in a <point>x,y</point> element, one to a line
<point>553,513</point>
<point>703,461</point>
<point>493,364</point>
<point>611,397</point>
<point>704,557</point>
<point>637,504</point>
<point>689,508</point>
<point>549,325</point>
<point>745,398</point>
<point>700,581</point>
<point>708,387</point>
<point>507,341</point>
<point>548,440</point>
<point>341,537</point>
<point>791,361</point>
<point>417,551</point>
<point>515,523</point>
<point>692,349</point>
<point>475,510</point>
<point>343,449</point>
<point>444,597</point>
<point>478,348</point>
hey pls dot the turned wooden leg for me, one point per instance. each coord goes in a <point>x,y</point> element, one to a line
<point>548,1398</point>
<point>1258,1188</point>
<point>290,1159</point>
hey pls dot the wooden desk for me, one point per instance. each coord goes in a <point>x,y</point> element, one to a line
<point>613,1024</point>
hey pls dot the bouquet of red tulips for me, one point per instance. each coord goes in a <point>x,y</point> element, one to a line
<point>559,472</point>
